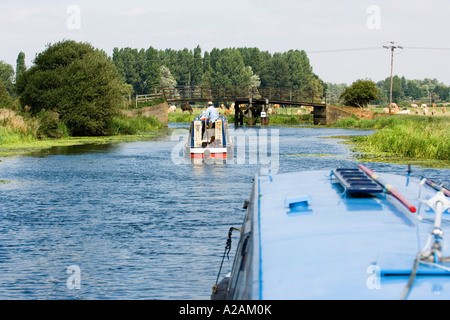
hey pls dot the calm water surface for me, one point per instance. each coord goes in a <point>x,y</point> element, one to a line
<point>136,223</point>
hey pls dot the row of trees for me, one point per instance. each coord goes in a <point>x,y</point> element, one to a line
<point>403,91</point>
<point>84,87</point>
<point>148,69</point>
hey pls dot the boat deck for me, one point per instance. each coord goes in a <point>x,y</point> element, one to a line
<point>315,241</point>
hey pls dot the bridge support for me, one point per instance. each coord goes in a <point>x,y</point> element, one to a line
<point>254,109</point>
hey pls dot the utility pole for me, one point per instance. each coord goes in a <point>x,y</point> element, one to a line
<point>392,47</point>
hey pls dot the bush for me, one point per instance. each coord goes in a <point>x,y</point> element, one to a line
<point>130,125</point>
<point>50,126</point>
<point>15,128</point>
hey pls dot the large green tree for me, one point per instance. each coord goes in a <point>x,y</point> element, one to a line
<point>360,93</point>
<point>78,82</point>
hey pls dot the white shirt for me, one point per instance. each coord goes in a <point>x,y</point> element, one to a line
<point>212,114</point>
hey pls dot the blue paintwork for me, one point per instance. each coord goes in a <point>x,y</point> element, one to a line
<point>305,238</point>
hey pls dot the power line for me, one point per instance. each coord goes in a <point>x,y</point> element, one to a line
<point>374,48</point>
<point>344,50</point>
<point>427,48</point>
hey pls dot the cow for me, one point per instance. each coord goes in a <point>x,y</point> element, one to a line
<point>413,105</point>
<point>228,112</point>
<point>172,109</point>
<point>187,107</point>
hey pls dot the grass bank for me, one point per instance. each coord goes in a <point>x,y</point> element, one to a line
<point>22,134</point>
<point>403,139</point>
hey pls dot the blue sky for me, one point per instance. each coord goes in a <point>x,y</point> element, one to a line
<point>318,27</point>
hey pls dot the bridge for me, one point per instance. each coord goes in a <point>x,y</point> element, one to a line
<point>250,102</point>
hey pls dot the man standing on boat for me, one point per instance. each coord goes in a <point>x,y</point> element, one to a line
<point>212,114</point>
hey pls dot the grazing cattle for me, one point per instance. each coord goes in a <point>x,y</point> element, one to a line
<point>269,111</point>
<point>277,106</point>
<point>404,112</point>
<point>425,111</point>
<point>413,105</point>
<point>187,107</point>
<point>443,110</point>
<point>394,108</point>
<point>228,112</point>
<point>424,106</point>
<point>172,109</point>
<point>299,112</point>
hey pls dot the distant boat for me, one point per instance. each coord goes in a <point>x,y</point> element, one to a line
<point>346,234</point>
<point>214,143</point>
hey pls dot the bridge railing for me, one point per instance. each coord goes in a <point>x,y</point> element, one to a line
<point>204,93</point>
<point>196,94</point>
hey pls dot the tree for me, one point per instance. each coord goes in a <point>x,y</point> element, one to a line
<point>20,65</point>
<point>230,70</point>
<point>7,76</point>
<point>300,71</point>
<point>78,82</point>
<point>166,78</point>
<point>279,72</point>
<point>197,70</point>
<point>152,69</point>
<point>360,93</point>
<point>397,89</point>
<point>442,91</point>
<point>5,98</point>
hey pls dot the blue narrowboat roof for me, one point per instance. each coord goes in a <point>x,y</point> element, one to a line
<point>315,240</point>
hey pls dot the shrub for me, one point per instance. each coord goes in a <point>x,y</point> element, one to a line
<point>50,126</point>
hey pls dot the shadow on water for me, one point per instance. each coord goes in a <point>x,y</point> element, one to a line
<point>76,150</point>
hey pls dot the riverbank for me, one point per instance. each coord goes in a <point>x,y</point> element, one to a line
<point>34,146</point>
<point>403,139</point>
<point>21,134</point>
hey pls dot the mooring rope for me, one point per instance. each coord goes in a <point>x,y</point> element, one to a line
<point>225,253</point>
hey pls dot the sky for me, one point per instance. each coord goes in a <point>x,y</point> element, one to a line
<point>344,39</point>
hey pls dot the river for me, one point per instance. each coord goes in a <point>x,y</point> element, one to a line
<point>134,220</point>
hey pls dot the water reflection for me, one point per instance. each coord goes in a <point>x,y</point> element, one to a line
<point>76,150</point>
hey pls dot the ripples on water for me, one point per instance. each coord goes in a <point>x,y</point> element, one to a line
<point>137,225</point>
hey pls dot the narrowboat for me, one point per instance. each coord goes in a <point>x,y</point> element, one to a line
<point>344,234</point>
<point>214,142</point>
